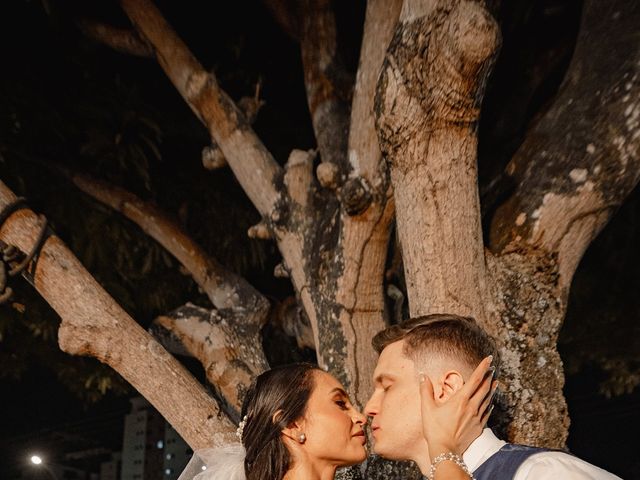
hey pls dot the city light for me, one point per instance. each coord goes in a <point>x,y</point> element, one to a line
<point>36,460</point>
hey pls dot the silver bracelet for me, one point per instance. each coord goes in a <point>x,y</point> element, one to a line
<point>452,457</point>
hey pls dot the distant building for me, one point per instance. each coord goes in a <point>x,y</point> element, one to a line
<point>176,454</point>
<point>151,449</point>
<point>110,470</point>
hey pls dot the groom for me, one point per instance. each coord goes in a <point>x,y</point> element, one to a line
<point>447,348</point>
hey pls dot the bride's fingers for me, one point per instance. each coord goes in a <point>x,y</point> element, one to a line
<point>476,380</point>
<point>426,393</point>
<point>488,405</point>
<point>479,385</point>
<point>482,393</point>
<point>488,399</point>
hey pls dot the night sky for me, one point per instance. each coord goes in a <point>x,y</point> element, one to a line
<point>61,95</point>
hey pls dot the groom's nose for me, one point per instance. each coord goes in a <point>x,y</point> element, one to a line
<point>372,406</point>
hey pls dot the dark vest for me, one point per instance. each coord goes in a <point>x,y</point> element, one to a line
<point>504,464</point>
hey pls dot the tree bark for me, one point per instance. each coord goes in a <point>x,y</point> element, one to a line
<point>324,255</point>
<point>93,324</point>
<point>574,169</point>
<point>427,110</point>
<point>566,189</point>
<point>226,340</point>
<point>571,173</point>
<point>327,83</point>
<point>225,289</point>
<point>229,350</point>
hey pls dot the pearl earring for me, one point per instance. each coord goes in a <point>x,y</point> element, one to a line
<point>302,438</point>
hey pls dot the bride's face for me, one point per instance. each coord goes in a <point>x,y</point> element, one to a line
<point>332,425</point>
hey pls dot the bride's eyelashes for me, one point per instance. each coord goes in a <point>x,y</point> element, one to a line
<point>342,404</point>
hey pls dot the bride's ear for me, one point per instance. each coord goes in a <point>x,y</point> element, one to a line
<point>294,431</point>
<point>450,382</point>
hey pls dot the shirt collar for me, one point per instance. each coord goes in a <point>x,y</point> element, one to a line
<point>481,449</point>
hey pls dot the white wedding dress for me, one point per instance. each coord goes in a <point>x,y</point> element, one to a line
<point>224,463</point>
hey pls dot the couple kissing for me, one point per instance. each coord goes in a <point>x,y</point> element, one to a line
<point>433,389</point>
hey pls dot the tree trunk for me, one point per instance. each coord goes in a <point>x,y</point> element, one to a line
<point>427,111</point>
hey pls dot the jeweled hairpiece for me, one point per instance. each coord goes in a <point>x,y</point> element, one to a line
<point>240,428</point>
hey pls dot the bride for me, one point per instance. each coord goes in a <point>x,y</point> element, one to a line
<point>298,423</point>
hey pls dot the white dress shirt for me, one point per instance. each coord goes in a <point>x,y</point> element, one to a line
<point>539,466</point>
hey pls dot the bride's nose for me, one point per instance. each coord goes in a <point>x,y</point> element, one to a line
<point>359,418</point>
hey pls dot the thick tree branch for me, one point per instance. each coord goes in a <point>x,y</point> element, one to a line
<point>327,83</point>
<point>252,164</point>
<point>427,109</point>
<point>94,324</point>
<point>304,219</point>
<point>123,40</point>
<point>365,237</point>
<point>229,349</point>
<point>225,289</point>
<point>365,157</point>
<point>582,158</point>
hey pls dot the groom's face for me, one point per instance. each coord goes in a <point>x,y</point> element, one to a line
<point>394,407</point>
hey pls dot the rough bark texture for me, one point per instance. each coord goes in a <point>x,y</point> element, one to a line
<point>427,109</point>
<point>230,350</point>
<point>335,263</point>
<point>567,185</point>
<point>93,324</point>
<point>574,169</point>
<point>428,105</point>
<point>226,340</point>
<point>581,160</point>
<point>529,314</point>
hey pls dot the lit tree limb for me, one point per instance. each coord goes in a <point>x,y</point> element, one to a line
<point>252,164</point>
<point>94,324</point>
<point>574,168</point>
<point>225,289</point>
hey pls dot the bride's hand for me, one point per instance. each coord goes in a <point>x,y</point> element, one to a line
<point>453,425</point>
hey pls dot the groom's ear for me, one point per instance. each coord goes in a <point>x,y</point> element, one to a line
<point>450,382</point>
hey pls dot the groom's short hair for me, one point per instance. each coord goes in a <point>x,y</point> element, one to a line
<point>442,335</point>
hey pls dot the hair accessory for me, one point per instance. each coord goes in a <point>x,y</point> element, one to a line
<point>302,438</point>
<point>452,457</point>
<point>240,429</point>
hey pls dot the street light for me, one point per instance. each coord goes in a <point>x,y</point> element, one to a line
<point>39,462</point>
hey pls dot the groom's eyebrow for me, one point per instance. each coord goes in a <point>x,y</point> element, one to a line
<point>382,377</point>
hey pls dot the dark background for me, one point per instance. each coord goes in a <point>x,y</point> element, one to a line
<point>67,101</point>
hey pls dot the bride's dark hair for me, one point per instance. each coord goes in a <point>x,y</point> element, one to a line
<point>284,390</point>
